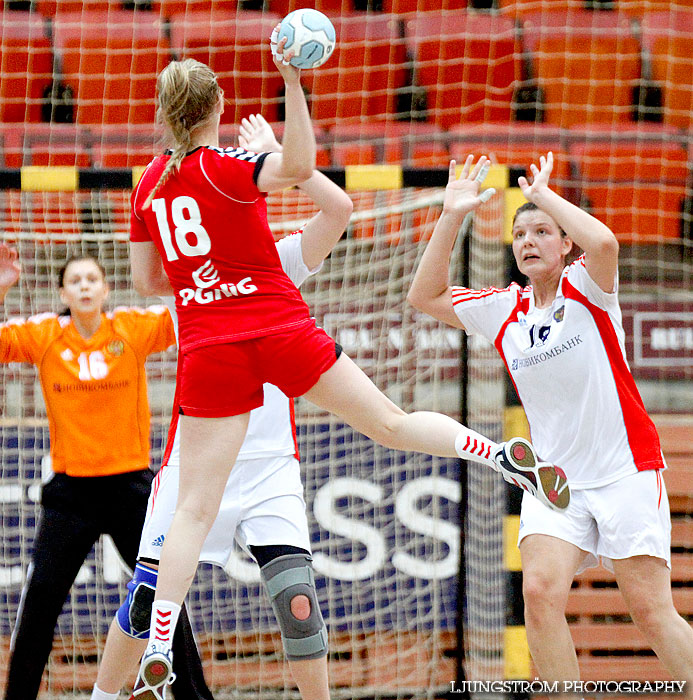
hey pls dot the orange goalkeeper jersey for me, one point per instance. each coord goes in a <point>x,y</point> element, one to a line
<point>96,389</point>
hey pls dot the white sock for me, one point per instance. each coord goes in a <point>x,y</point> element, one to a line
<point>472,445</point>
<point>164,619</point>
<point>98,694</point>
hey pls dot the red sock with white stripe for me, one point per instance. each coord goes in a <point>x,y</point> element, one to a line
<point>473,446</point>
<point>164,619</point>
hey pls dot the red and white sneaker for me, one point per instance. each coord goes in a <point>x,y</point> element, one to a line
<point>156,673</point>
<point>519,464</point>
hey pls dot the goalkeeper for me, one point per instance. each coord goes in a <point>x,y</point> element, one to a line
<point>91,368</point>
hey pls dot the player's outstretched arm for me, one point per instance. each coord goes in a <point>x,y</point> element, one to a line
<point>321,233</point>
<point>430,290</point>
<point>148,275</point>
<point>10,269</point>
<point>596,239</point>
<point>297,160</point>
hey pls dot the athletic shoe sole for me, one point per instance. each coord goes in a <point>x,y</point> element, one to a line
<point>155,674</point>
<point>520,465</point>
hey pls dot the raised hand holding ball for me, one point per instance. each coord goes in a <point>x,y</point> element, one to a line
<point>310,37</point>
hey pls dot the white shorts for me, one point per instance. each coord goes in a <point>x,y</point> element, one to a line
<point>262,505</point>
<point>626,518</point>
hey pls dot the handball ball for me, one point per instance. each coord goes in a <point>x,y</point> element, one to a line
<point>310,35</point>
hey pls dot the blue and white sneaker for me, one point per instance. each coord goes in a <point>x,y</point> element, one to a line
<point>519,464</point>
<point>156,673</point>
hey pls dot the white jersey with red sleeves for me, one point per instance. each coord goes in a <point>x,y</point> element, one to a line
<point>209,224</point>
<point>271,430</point>
<point>568,364</point>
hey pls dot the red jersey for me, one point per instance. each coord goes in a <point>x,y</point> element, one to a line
<point>209,223</point>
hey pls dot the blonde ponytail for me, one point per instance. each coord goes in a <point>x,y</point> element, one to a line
<point>187,95</point>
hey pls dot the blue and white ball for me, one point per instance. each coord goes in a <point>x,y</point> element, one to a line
<point>310,35</point>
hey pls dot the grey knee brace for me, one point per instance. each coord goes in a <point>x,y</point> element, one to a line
<point>285,578</point>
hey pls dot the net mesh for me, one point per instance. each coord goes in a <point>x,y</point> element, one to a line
<point>605,85</point>
<point>486,583</point>
<point>384,524</point>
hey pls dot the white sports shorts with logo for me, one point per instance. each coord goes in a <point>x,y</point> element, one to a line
<point>263,504</point>
<point>626,518</point>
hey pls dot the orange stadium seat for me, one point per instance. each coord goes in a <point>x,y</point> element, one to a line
<point>403,143</point>
<point>517,156</point>
<point>517,146</point>
<point>332,8</point>
<point>236,47</point>
<point>112,71</point>
<point>365,73</point>
<point>11,145</point>
<point>642,131</point>
<point>168,8</point>
<point>10,211</point>
<point>323,159</point>
<point>521,8</point>
<point>53,215</point>
<point>414,144</point>
<point>519,132</point>
<point>432,154</point>
<point>114,146</point>
<point>671,68</point>
<point>49,8</point>
<point>62,154</point>
<point>400,7</point>
<point>26,63</point>
<point>354,153</point>
<point>584,24</point>
<point>469,64</point>
<point>357,144</point>
<point>667,38</point>
<point>641,8</point>
<point>637,189</point>
<point>113,155</point>
<point>674,23</point>
<point>389,227</point>
<point>50,144</point>
<point>586,74</point>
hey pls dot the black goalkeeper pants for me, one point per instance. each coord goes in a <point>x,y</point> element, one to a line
<point>75,513</point>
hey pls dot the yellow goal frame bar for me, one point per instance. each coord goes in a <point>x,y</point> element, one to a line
<point>33,178</point>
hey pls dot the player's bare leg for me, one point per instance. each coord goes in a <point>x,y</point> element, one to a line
<point>348,393</point>
<point>366,409</point>
<point>311,678</point>
<point>548,568</point>
<point>209,447</point>
<point>119,661</point>
<point>310,675</point>
<point>645,583</point>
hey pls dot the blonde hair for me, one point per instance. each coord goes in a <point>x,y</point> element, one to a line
<point>187,95</point>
